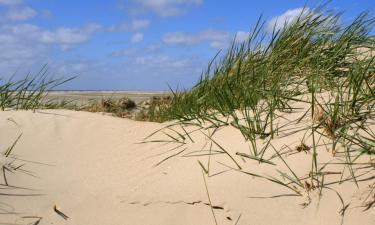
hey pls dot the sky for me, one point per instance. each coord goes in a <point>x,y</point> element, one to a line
<point>144,45</point>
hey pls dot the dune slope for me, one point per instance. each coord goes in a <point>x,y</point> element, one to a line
<point>92,169</point>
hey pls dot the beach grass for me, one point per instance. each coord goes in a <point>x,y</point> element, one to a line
<point>317,60</point>
<point>28,92</point>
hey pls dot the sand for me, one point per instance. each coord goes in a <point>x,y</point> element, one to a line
<point>93,169</point>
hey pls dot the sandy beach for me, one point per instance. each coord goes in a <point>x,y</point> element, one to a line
<point>84,97</point>
<point>94,170</point>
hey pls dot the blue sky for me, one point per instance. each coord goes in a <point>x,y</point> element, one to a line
<point>133,44</point>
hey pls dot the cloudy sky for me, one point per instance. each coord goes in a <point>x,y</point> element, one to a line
<point>133,44</point>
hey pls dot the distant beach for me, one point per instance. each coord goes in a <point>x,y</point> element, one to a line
<point>83,97</point>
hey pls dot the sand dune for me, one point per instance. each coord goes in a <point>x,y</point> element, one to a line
<point>93,169</point>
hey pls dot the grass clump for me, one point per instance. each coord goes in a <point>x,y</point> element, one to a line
<point>153,109</point>
<point>28,92</point>
<point>316,61</point>
<point>124,107</point>
<point>117,107</point>
<point>265,72</point>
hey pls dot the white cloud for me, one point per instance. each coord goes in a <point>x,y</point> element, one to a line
<point>242,36</point>
<point>139,24</point>
<point>19,46</point>
<point>159,60</point>
<point>25,45</point>
<point>74,66</point>
<point>216,38</point>
<point>137,37</point>
<point>20,14</point>
<point>287,18</point>
<point>10,2</point>
<point>21,33</point>
<point>181,38</point>
<point>165,8</point>
<point>134,25</point>
<point>326,22</point>
<point>69,36</point>
<point>45,13</point>
<point>142,70</point>
<point>150,49</point>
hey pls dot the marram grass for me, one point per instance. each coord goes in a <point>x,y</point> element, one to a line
<point>252,83</point>
<point>28,92</point>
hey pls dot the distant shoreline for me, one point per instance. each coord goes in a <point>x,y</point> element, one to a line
<point>86,96</point>
<point>108,91</point>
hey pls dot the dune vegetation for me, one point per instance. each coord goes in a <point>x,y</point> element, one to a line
<point>318,64</point>
<point>28,92</point>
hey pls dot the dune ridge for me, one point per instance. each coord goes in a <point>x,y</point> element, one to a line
<point>93,169</point>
